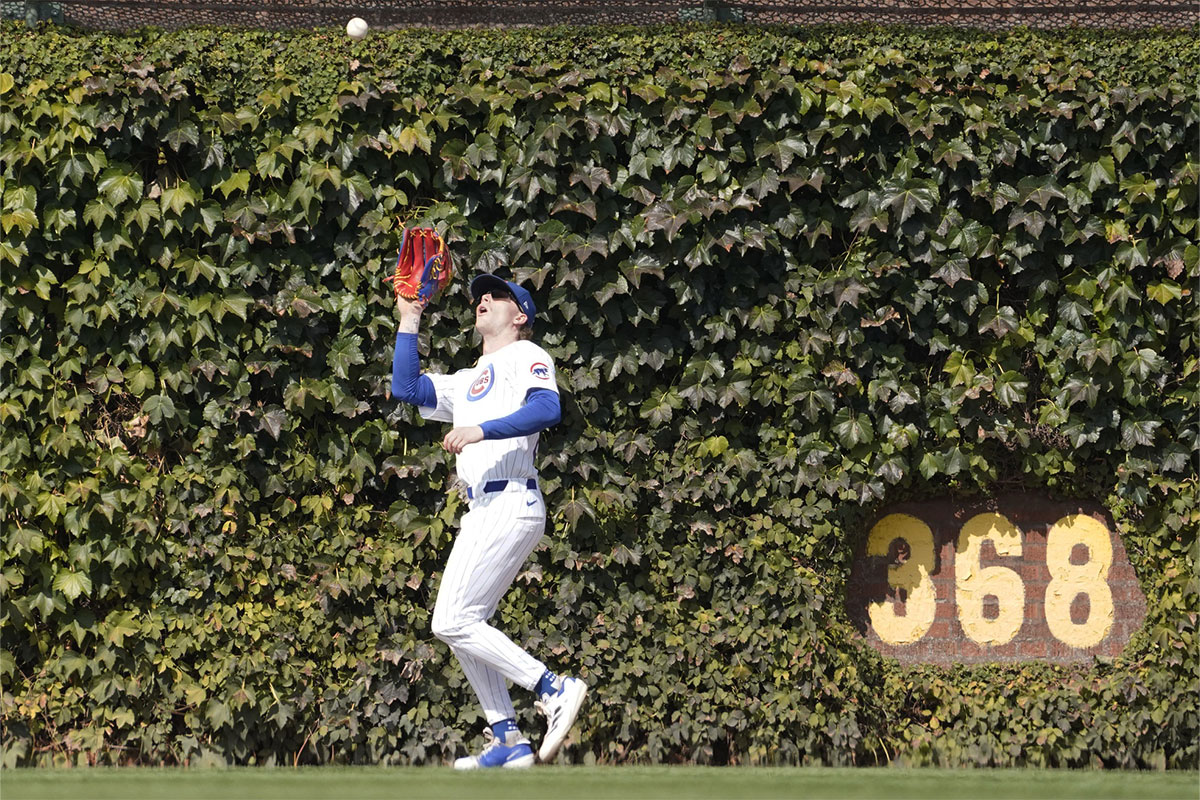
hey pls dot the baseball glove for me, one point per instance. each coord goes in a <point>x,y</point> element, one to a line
<point>424,266</point>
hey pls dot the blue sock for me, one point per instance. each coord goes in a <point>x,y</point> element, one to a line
<point>545,684</point>
<point>502,728</point>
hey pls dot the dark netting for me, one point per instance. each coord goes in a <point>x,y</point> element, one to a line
<point>284,14</point>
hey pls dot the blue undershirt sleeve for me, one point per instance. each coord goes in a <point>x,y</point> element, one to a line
<point>408,384</point>
<point>541,410</point>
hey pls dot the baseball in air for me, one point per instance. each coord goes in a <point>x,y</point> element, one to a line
<point>357,28</point>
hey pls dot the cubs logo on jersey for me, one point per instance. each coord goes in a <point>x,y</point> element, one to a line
<point>540,371</point>
<point>482,384</point>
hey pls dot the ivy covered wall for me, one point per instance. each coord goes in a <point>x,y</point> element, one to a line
<point>789,277</point>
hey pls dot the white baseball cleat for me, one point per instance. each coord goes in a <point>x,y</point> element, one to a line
<point>511,752</point>
<point>560,708</point>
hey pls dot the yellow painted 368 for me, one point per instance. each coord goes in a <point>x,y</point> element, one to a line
<point>974,582</point>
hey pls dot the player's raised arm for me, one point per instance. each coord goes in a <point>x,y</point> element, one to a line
<point>408,384</point>
<point>410,314</point>
<point>423,268</point>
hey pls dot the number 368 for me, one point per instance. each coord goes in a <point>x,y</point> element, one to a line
<point>974,582</point>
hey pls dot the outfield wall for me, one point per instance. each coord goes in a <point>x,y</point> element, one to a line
<point>792,280</point>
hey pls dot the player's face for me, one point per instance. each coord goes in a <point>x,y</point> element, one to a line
<point>497,311</point>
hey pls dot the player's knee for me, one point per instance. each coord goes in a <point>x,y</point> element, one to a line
<point>445,628</point>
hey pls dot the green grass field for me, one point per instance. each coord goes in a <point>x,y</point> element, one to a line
<point>570,783</point>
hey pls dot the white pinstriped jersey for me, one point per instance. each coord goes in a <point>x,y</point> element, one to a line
<point>495,387</point>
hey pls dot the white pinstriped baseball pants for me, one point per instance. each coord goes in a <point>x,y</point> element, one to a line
<point>494,540</point>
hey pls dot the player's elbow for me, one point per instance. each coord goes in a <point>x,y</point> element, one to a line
<point>404,392</point>
<point>553,409</point>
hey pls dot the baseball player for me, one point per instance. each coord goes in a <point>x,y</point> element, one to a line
<point>496,409</point>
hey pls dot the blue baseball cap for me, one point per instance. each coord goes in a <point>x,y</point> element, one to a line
<point>483,284</point>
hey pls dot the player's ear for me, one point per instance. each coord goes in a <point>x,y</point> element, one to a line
<point>520,319</point>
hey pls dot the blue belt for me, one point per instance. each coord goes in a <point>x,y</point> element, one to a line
<point>499,486</point>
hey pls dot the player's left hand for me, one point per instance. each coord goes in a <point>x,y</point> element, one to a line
<point>459,438</point>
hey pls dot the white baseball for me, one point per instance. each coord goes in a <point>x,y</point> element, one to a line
<point>357,28</point>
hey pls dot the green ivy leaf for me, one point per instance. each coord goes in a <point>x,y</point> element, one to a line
<point>1010,388</point>
<point>139,379</point>
<point>235,303</point>
<point>1138,432</point>
<point>237,182</point>
<point>1039,190</point>
<point>344,353</point>
<point>931,464</point>
<point>998,321</point>
<point>1098,173</point>
<point>217,713</point>
<point>119,185</point>
<point>178,198</point>
<point>177,134</point>
<point>953,270</point>
<point>1142,363</point>
<point>119,625</point>
<point>1164,293</point>
<point>853,429</point>
<point>158,407</point>
<point>51,505</point>
<point>952,152</point>
<point>960,368</point>
<point>1133,254</point>
<point>273,421</point>
<point>72,584</point>
<point>906,200</point>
